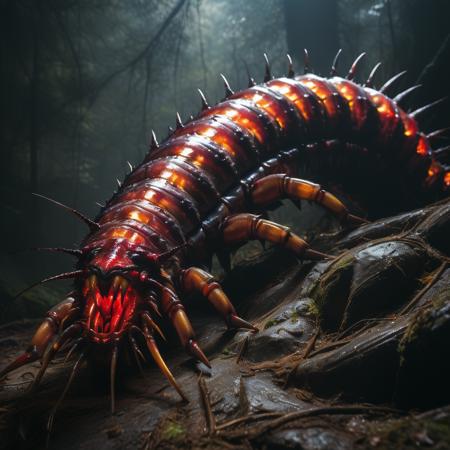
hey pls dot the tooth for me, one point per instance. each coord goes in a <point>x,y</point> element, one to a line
<point>92,282</point>
<point>114,322</point>
<point>124,286</point>
<point>89,316</point>
<point>115,286</point>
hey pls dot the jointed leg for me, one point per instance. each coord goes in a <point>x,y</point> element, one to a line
<point>195,279</point>
<point>173,308</point>
<point>47,330</point>
<point>244,227</point>
<point>275,187</point>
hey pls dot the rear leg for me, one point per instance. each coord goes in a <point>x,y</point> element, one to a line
<point>56,319</point>
<point>241,228</point>
<point>272,188</point>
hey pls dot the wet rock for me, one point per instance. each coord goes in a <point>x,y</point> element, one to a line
<point>314,438</point>
<point>264,395</point>
<point>364,282</point>
<point>401,359</point>
<point>284,332</point>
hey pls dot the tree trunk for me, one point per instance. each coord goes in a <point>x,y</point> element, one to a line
<point>34,106</point>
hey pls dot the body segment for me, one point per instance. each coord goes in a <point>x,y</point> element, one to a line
<point>200,193</point>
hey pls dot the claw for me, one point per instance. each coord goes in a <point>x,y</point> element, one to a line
<point>156,355</point>
<point>193,348</point>
<point>236,322</point>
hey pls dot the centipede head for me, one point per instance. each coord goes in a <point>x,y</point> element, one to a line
<point>116,288</point>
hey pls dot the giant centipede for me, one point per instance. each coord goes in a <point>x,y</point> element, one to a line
<point>204,190</point>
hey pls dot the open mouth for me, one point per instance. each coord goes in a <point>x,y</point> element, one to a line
<point>108,311</point>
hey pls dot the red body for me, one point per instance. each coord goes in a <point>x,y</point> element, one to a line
<point>184,189</point>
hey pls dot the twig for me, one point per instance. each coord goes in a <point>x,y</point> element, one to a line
<point>209,416</point>
<point>330,346</point>
<point>242,350</point>
<point>311,343</point>
<point>284,419</point>
<point>425,289</point>
<point>249,418</point>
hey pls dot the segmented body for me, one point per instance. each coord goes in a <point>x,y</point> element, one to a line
<point>202,173</point>
<point>193,195</point>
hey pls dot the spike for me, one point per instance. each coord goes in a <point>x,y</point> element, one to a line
<point>438,133</point>
<point>307,65</point>
<point>369,81</point>
<point>193,348</point>
<point>93,226</point>
<point>61,276</point>
<point>290,72</point>
<point>335,63</point>
<point>102,205</point>
<point>166,255</point>
<point>425,108</point>
<point>170,129</point>
<point>267,72</point>
<point>205,104</point>
<point>114,356</point>
<point>251,81</point>
<point>154,306</point>
<point>153,325</point>
<point>191,117</point>
<point>130,166</point>
<point>228,90</point>
<point>443,151</point>
<point>75,369</point>
<point>154,142</point>
<point>69,251</point>
<point>352,72</point>
<point>236,322</point>
<point>179,122</point>
<point>399,97</point>
<point>391,81</point>
<point>156,355</point>
<point>119,183</point>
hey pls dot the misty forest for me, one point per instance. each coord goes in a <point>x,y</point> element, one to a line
<point>351,350</point>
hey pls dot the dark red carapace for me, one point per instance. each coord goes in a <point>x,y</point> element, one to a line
<point>203,190</point>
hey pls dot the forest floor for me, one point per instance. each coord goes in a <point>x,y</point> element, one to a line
<point>352,353</point>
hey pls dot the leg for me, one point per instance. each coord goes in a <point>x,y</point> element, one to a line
<point>244,227</point>
<point>271,188</point>
<point>56,317</point>
<point>173,308</point>
<point>195,279</point>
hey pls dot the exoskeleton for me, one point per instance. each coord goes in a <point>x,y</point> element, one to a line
<point>202,191</point>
